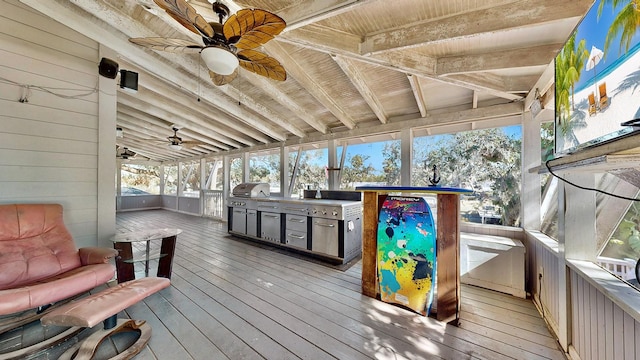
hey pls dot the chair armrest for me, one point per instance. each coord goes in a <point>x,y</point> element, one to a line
<point>96,255</point>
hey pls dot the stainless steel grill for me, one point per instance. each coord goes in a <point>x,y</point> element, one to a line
<point>251,190</point>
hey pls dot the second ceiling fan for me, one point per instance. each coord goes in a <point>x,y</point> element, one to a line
<point>176,142</point>
<point>225,45</point>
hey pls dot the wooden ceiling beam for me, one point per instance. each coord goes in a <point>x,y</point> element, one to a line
<point>497,60</point>
<point>100,31</point>
<point>489,20</point>
<point>161,131</point>
<point>304,12</point>
<point>407,62</point>
<point>418,94</point>
<point>358,80</point>
<point>171,112</point>
<point>137,146</point>
<point>142,138</point>
<point>238,132</point>
<point>318,92</point>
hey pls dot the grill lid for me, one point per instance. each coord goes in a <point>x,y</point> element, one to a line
<point>251,190</point>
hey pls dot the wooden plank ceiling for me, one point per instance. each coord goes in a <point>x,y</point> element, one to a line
<point>351,65</point>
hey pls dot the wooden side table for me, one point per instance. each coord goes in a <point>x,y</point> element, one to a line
<point>448,242</point>
<point>125,260</point>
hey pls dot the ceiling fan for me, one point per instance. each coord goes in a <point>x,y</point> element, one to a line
<point>225,45</point>
<point>125,153</point>
<point>176,142</point>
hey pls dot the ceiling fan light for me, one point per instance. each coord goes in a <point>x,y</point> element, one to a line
<point>219,60</point>
<point>175,146</point>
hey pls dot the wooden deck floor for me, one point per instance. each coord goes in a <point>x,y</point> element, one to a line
<point>231,299</point>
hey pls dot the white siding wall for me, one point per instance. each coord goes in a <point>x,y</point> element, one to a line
<point>601,329</point>
<point>49,146</point>
<point>543,259</point>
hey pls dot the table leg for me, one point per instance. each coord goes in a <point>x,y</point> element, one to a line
<point>125,270</point>
<point>167,248</point>
<point>146,263</point>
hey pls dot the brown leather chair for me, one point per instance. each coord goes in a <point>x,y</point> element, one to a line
<point>39,262</point>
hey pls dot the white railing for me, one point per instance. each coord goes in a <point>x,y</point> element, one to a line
<point>626,269</point>
<point>213,204</point>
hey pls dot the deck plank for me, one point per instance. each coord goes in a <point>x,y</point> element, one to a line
<point>234,299</point>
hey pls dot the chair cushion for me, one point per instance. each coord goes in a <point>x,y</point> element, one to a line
<point>34,244</point>
<point>90,311</point>
<point>56,288</point>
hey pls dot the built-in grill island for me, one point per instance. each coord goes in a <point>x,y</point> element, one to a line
<point>329,228</point>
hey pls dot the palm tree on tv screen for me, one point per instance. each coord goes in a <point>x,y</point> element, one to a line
<point>624,24</point>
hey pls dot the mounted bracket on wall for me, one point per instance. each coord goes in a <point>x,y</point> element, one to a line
<point>536,105</point>
<point>129,80</point>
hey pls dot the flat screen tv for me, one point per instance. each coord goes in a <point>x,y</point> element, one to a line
<point>597,78</point>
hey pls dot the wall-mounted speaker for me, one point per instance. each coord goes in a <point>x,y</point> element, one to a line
<point>129,80</point>
<point>108,68</point>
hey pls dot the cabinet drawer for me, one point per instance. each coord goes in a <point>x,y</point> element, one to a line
<point>296,223</point>
<point>296,238</point>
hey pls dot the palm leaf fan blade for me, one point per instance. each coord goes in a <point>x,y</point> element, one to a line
<point>219,80</point>
<point>187,16</point>
<point>170,45</point>
<point>262,64</point>
<point>192,143</point>
<point>250,28</point>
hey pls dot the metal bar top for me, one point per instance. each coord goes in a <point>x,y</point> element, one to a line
<point>415,189</point>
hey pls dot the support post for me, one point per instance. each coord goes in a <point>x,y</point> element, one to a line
<point>448,258</point>
<point>369,243</point>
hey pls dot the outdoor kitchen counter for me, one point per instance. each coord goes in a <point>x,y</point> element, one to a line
<point>329,228</point>
<point>325,202</point>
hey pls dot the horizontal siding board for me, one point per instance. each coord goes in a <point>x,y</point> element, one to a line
<point>80,216</point>
<point>46,174</point>
<point>67,202</point>
<point>13,93</point>
<point>26,15</point>
<point>77,77</point>
<point>45,143</point>
<point>11,110</point>
<point>35,189</point>
<point>42,36</point>
<point>35,158</point>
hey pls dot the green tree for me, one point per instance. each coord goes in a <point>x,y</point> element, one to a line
<point>570,62</point>
<point>478,160</point>
<point>310,172</point>
<point>235,172</point>
<point>358,170</point>
<point>265,168</point>
<point>624,24</point>
<point>391,162</point>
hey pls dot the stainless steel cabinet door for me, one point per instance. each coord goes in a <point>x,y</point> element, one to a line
<point>239,221</point>
<point>252,223</point>
<point>270,226</point>
<point>324,236</point>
